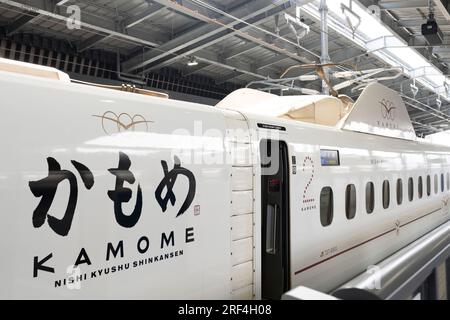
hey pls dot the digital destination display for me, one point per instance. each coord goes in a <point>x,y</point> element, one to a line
<point>329,158</point>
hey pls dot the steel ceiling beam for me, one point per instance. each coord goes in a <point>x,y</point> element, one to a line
<point>271,61</point>
<point>91,42</point>
<point>346,54</point>
<point>251,46</point>
<point>288,50</point>
<point>201,33</point>
<point>398,5</point>
<point>151,11</point>
<point>238,67</point>
<point>91,23</point>
<point>435,121</point>
<point>193,10</point>
<point>402,33</point>
<point>20,23</point>
<point>241,50</point>
<point>193,70</point>
<point>228,77</point>
<point>439,5</point>
<point>442,49</point>
<point>130,22</point>
<point>417,23</point>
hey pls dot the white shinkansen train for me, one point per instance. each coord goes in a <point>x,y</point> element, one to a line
<point>110,194</point>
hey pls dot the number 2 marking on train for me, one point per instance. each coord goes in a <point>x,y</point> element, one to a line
<point>308,161</point>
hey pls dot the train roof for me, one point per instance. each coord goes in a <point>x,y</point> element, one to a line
<point>29,69</point>
<point>379,110</point>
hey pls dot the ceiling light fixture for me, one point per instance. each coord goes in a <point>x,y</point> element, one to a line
<point>431,30</point>
<point>192,62</point>
<point>353,19</point>
<point>298,28</point>
<point>394,52</point>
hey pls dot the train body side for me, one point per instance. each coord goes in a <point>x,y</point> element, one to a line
<point>323,257</point>
<point>92,178</point>
<point>148,199</point>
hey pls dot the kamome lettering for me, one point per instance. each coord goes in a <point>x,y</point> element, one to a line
<point>144,251</point>
<point>118,250</point>
<point>118,268</point>
<point>200,311</point>
<point>159,258</point>
<point>46,189</point>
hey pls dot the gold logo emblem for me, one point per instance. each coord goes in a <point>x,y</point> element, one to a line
<point>388,109</point>
<point>113,123</point>
<point>397,226</point>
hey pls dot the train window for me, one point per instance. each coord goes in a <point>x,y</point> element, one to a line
<point>411,189</point>
<point>448,181</point>
<point>436,184</point>
<point>386,194</point>
<point>370,197</point>
<point>420,187</point>
<point>271,233</point>
<point>399,191</point>
<point>326,206</point>
<point>350,201</point>
<point>428,185</point>
<point>442,182</point>
<point>428,289</point>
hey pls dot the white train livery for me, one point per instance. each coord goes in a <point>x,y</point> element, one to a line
<point>110,194</point>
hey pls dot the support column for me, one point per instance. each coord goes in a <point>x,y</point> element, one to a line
<point>325,57</point>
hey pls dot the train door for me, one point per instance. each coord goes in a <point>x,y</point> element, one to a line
<point>275,219</point>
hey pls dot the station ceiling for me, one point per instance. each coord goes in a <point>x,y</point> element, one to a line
<point>209,47</point>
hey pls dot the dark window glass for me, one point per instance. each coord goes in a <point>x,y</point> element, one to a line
<point>428,185</point>
<point>370,197</point>
<point>442,182</point>
<point>420,187</point>
<point>399,191</point>
<point>271,232</point>
<point>350,201</point>
<point>386,194</point>
<point>326,206</point>
<point>411,189</point>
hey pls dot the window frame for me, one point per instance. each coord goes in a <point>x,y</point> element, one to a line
<point>399,189</point>
<point>370,206</point>
<point>350,209</point>
<point>330,211</point>
<point>386,191</point>
<point>420,187</point>
<point>411,189</point>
